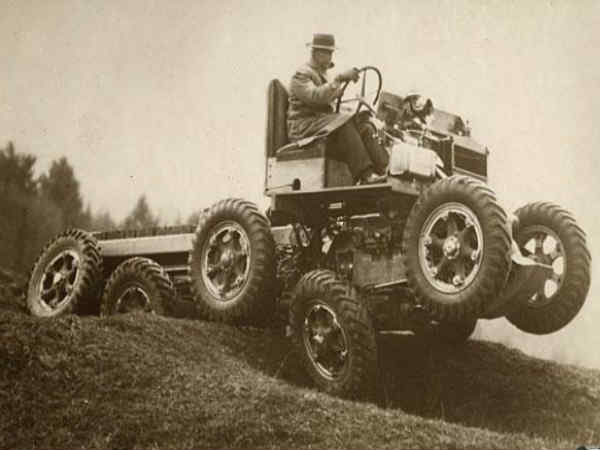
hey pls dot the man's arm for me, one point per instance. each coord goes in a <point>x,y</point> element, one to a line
<point>308,92</point>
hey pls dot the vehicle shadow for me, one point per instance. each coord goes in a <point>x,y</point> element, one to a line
<point>488,385</point>
<point>479,384</point>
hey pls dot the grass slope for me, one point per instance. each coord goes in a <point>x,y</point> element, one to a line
<point>139,381</point>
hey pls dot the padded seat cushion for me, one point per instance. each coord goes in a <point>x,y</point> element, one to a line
<point>277,105</point>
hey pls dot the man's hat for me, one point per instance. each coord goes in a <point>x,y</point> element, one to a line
<point>323,41</point>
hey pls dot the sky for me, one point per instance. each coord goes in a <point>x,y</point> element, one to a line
<point>167,99</point>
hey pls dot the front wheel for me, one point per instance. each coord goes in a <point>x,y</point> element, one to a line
<point>549,235</point>
<point>334,335</point>
<point>457,248</point>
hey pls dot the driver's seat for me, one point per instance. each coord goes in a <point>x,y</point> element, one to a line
<point>301,165</point>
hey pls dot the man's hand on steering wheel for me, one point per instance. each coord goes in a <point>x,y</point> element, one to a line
<point>354,75</point>
<point>349,75</point>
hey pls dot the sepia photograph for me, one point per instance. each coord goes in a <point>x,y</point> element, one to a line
<point>356,224</point>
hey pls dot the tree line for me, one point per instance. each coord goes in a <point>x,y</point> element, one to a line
<point>34,209</point>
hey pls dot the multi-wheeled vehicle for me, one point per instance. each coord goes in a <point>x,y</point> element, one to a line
<point>430,250</point>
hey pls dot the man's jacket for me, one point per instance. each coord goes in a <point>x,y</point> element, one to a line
<point>310,111</point>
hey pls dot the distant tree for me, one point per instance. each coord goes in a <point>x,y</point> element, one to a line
<point>85,221</point>
<point>195,217</point>
<point>62,188</point>
<point>141,216</point>
<point>27,221</point>
<point>44,222</point>
<point>102,221</point>
<point>16,171</point>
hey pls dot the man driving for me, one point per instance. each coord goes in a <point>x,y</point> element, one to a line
<point>310,113</point>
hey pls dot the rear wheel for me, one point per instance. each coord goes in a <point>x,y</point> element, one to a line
<point>457,247</point>
<point>137,284</point>
<point>66,275</point>
<point>550,235</point>
<point>233,263</point>
<point>334,335</point>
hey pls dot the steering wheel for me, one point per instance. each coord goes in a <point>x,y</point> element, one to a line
<point>361,99</point>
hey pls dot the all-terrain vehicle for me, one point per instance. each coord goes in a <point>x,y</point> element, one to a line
<point>429,250</point>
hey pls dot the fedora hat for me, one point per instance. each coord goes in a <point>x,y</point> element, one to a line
<point>322,41</point>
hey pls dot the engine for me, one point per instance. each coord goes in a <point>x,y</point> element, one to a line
<point>444,134</point>
<point>366,249</point>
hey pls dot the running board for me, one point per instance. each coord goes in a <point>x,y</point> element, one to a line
<point>150,245</point>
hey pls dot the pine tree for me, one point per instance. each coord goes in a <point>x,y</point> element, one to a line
<point>61,187</point>
<point>27,222</point>
<point>102,221</point>
<point>141,216</point>
<point>16,172</point>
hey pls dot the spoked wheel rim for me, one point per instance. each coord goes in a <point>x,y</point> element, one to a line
<point>59,279</point>
<point>134,298</point>
<point>451,247</point>
<point>226,261</point>
<point>543,245</point>
<point>325,341</point>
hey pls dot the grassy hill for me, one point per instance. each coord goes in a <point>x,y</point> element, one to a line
<point>139,381</point>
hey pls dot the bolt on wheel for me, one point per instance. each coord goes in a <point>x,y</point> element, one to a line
<point>325,341</point>
<point>59,278</point>
<point>451,247</point>
<point>226,260</point>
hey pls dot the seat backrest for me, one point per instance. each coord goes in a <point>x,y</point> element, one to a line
<point>277,104</point>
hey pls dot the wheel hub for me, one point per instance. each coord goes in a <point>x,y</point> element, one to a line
<point>543,245</point>
<point>325,341</point>
<point>450,247</point>
<point>226,261</point>
<point>59,279</point>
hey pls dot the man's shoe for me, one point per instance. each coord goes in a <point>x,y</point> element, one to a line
<point>372,178</point>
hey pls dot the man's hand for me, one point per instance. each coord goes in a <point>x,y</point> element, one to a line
<point>348,75</point>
